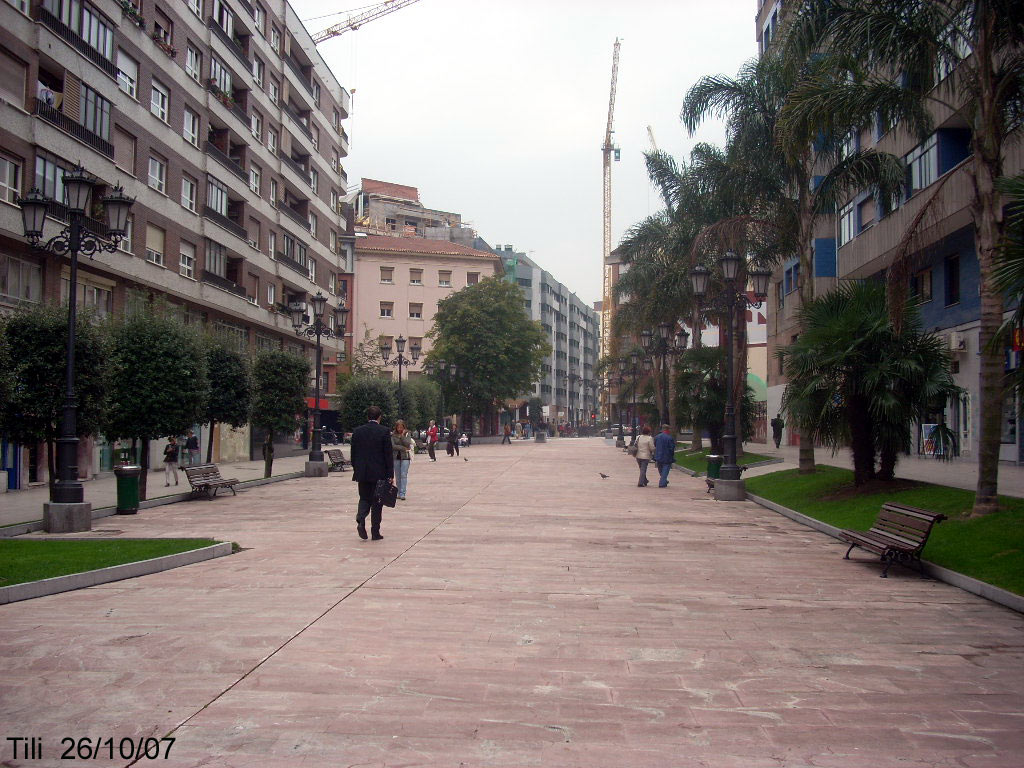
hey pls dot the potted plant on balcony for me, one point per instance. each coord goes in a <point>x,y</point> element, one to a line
<point>164,44</point>
<point>130,11</point>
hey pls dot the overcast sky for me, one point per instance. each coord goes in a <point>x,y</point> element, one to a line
<point>496,109</point>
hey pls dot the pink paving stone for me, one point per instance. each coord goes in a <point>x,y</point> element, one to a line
<point>520,611</point>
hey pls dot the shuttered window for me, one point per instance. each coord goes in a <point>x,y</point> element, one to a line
<point>12,79</point>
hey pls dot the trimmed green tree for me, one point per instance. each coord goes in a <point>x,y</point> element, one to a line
<point>360,393</point>
<point>158,382</point>
<point>535,409</point>
<point>230,389</point>
<point>280,382</point>
<point>32,409</point>
<point>427,395</point>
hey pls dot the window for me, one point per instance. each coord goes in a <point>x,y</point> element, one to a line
<point>472,278</point>
<point>780,295</point>
<point>312,224</point>
<point>271,293</point>
<point>922,165</point>
<point>272,141</point>
<point>850,144</point>
<point>275,91</point>
<point>96,298</point>
<point>193,63</point>
<point>127,73</point>
<point>190,127</point>
<point>391,224</point>
<point>220,75</point>
<point>311,265</point>
<point>20,281</point>
<point>952,280</point>
<point>922,285</point>
<point>333,241</point>
<point>255,178</point>
<point>187,260</point>
<point>217,196</point>
<point>155,242</point>
<point>158,101</point>
<point>273,192</point>
<point>316,93</point>
<point>444,279</point>
<point>196,6</point>
<point>83,18</point>
<point>158,174</point>
<point>94,112</point>
<point>387,275</point>
<point>387,309</point>
<point>275,38</point>
<point>258,15</point>
<point>189,190</point>
<point>257,70</point>
<point>256,125</point>
<point>125,243</point>
<point>314,179</point>
<point>252,232</point>
<point>847,224</point>
<point>21,5</point>
<point>415,277</point>
<point>415,311</point>
<point>271,243</point>
<point>315,136</point>
<point>224,16</point>
<point>335,118</point>
<point>163,29</point>
<point>10,179</point>
<point>216,258</point>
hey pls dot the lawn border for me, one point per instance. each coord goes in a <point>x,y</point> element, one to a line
<point>57,584</point>
<point>697,473</point>
<point>1003,597</point>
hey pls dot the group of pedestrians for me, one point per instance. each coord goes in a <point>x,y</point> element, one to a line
<point>660,449</point>
<point>173,455</point>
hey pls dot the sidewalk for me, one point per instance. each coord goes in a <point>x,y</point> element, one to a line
<point>27,505</point>
<point>522,610</point>
<point>959,473</point>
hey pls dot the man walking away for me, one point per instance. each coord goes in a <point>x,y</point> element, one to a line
<point>373,459</point>
<point>777,426</point>
<point>192,446</point>
<point>507,437</point>
<point>432,433</point>
<point>171,461</point>
<point>664,454</point>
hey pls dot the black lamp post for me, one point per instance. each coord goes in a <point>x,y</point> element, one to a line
<point>316,329</point>
<point>71,241</point>
<point>400,361</point>
<point>621,442</point>
<point>634,360</point>
<point>574,379</point>
<point>664,346</point>
<point>730,297</point>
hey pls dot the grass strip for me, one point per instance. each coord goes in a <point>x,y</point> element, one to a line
<point>989,548</point>
<point>23,560</point>
<point>698,462</point>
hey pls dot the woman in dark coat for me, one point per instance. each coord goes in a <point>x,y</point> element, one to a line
<point>453,442</point>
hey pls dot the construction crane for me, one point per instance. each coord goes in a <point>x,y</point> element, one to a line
<point>650,135</point>
<point>355,22</point>
<point>609,150</point>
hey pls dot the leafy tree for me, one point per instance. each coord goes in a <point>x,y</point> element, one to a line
<point>701,394</point>
<point>230,388</point>
<point>32,401</point>
<point>405,404</point>
<point>280,381</point>
<point>856,379</point>
<point>158,381</point>
<point>360,393</point>
<point>366,355</point>
<point>980,43</point>
<point>485,330</point>
<point>535,409</point>
<point>427,398</point>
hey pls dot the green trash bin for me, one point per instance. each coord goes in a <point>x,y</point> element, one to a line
<point>714,465</point>
<point>127,489</point>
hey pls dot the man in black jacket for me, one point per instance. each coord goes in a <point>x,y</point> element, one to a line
<point>373,459</point>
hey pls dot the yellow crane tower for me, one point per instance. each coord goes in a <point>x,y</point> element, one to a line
<point>609,150</point>
<point>355,22</point>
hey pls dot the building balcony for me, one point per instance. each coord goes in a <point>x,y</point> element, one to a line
<point>296,166</point>
<point>222,282</point>
<point>65,32</point>
<point>61,121</point>
<point>291,263</point>
<point>297,119</point>
<point>224,159</point>
<point>223,221</point>
<point>229,102</point>
<point>232,44</point>
<point>299,74</point>
<point>294,215</point>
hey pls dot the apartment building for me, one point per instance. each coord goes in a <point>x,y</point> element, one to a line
<point>861,241</point>
<point>568,385</point>
<point>224,123</point>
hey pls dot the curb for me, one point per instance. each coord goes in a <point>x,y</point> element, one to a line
<point>697,473</point>
<point>20,529</point>
<point>72,581</point>
<point>967,583</point>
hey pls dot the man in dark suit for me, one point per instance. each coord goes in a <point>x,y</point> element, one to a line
<point>373,459</point>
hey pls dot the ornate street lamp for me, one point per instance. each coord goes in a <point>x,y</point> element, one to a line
<point>67,509</point>
<point>622,364</point>
<point>663,347</point>
<point>726,301</point>
<point>316,466</point>
<point>401,361</point>
<point>634,360</point>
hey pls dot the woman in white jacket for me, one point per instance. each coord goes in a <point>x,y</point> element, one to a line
<point>644,453</point>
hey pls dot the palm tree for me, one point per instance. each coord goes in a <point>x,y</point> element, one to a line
<point>980,43</point>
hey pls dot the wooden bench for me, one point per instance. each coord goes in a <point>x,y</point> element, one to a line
<point>336,459</point>
<point>897,535</point>
<point>206,478</point>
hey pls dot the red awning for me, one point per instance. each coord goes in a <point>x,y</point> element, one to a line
<point>311,403</point>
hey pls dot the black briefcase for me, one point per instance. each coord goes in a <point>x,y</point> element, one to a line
<point>386,493</point>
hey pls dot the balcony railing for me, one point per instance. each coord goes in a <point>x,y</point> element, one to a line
<point>247,6</point>
<point>229,102</point>
<point>230,42</point>
<point>222,282</point>
<point>292,214</point>
<point>297,71</point>
<point>223,221</point>
<point>57,118</point>
<point>295,166</point>
<point>63,30</point>
<point>294,116</point>
<point>224,159</point>
<point>291,263</point>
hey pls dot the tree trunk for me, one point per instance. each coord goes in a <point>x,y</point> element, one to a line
<point>861,440</point>
<point>805,285</point>
<point>887,464</point>
<point>268,454</point>
<point>209,446</point>
<point>739,335</point>
<point>144,474</point>
<point>697,444</point>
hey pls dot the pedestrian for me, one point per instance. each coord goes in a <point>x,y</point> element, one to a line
<point>507,437</point>
<point>432,433</point>
<point>192,446</point>
<point>644,454</point>
<point>373,459</point>
<point>664,453</point>
<point>401,442</point>
<point>171,460</point>
<point>777,426</point>
<point>453,442</point>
